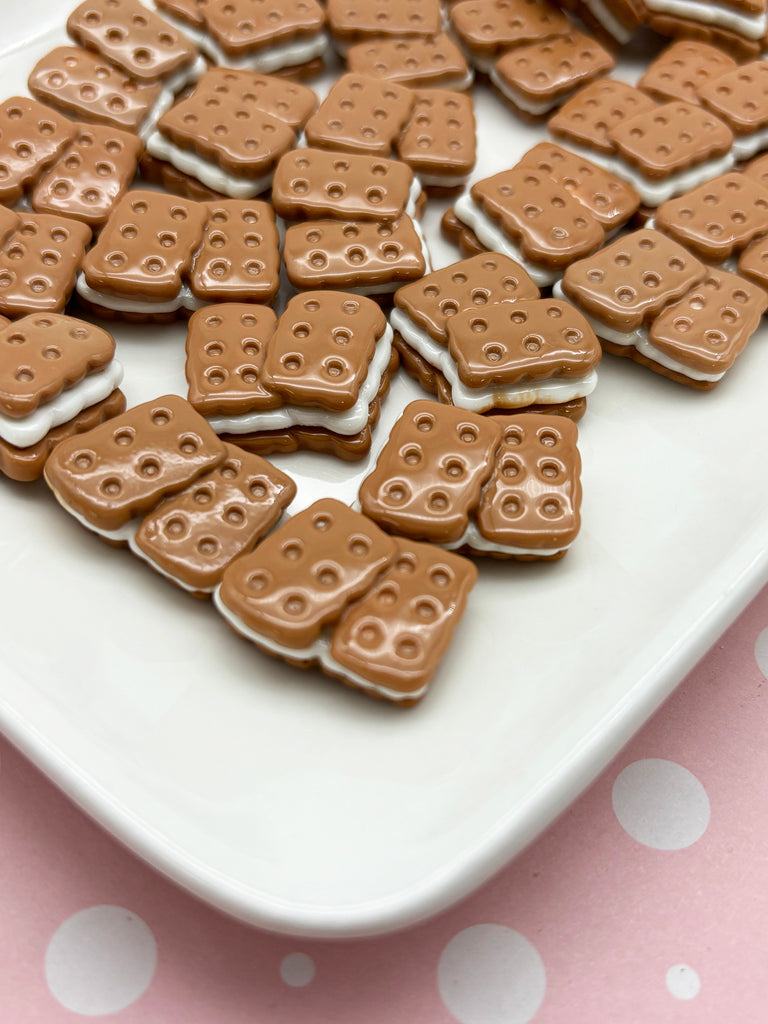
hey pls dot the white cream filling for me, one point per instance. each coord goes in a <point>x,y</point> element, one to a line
<point>608,20</point>
<point>206,171</point>
<point>495,239</point>
<point>171,86</point>
<point>319,651</point>
<point>654,193</point>
<point>164,572</point>
<point>751,26</point>
<point>446,180</point>
<point>521,101</point>
<point>346,422</point>
<point>546,392</point>
<point>184,299</point>
<point>122,535</point>
<point>28,430</point>
<point>474,539</point>
<point>746,146</point>
<point>638,339</point>
<point>414,194</point>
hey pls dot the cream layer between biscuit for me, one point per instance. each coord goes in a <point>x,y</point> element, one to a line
<point>473,538</point>
<point>171,87</point>
<point>319,651</point>
<point>206,171</point>
<point>654,193</point>
<point>545,392</point>
<point>27,430</point>
<point>347,422</point>
<point>713,15</point>
<point>638,339</point>
<point>603,14</point>
<point>184,299</point>
<point>521,101</point>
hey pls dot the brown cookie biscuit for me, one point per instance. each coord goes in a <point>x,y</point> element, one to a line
<point>753,262</point>
<point>171,179</point>
<point>313,183</point>
<point>239,259</point>
<point>681,70</point>
<point>123,468</point>
<point>460,234</point>
<point>90,176</point>
<point>361,256</point>
<point>39,264</point>
<point>390,641</point>
<point>261,35</point>
<point>360,114</point>
<point>302,576</point>
<point>487,28</point>
<point>87,87</point>
<point>429,474</point>
<point>144,251</point>
<point>225,352</point>
<point>531,506</point>
<point>32,136</point>
<point>540,76</point>
<point>611,200</point>
<point>133,37</point>
<point>420,62</point>
<point>439,141</point>
<point>631,280</point>
<point>350,24</point>
<point>717,219</point>
<point>731,25</point>
<point>428,305</point>
<point>740,99</point>
<point>193,536</point>
<point>188,11</point>
<point>586,118</point>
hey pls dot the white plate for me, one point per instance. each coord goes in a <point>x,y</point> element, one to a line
<point>302,807</point>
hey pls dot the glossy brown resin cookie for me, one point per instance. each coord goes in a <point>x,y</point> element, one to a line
<point>32,136</point>
<point>39,264</point>
<point>360,114</point>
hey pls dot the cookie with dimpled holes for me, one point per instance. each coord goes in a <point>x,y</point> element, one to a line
<point>439,142</point>
<point>487,28</point>
<point>419,62</point>
<point>121,470</point>
<point>360,114</point>
<point>39,263</point>
<point>680,70</point>
<point>194,535</point>
<point>90,176</point>
<point>537,77</point>
<point>310,184</point>
<point>718,219</point>
<point>740,99</point>
<point>738,26</point>
<point>586,118</point>
<point>135,38</point>
<point>32,137</point>
<point>349,23</point>
<point>359,256</point>
<point>84,86</point>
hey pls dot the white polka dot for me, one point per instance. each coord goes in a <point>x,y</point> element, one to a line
<point>100,960</point>
<point>661,804</point>
<point>683,982</point>
<point>489,974</point>
<point>761,652</point>
<point>297,969</point>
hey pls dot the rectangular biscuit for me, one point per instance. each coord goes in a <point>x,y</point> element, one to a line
<point>132,36</point>
<point>680,70</point>
<point>391,641</point>
<point>630,281</point>
<point>39,264</point>
<point>241,27</point>
<point>360,114</point>
<point>124,467</point>
<point>304,574</point>
<point>430,472</point>
<point>239,259</point>
<point>225,350</point>
<point>717,219</point>
<point>145,249</point>
<point>88,88</point>
<point>420,62</point>
<point>314,183</point>
<point>90,176</point>
<point>587,117</point>
<point>551,227</point>
<point>611,200</point>
<point>349,24</point>
<point>487,28</point>
<point>471,283</point>
<point>194,535</point>
<point>740,98</point>
<point>358,255</point>
<point>529,340</point>
<point>32,136</point>
<point>439,142</point>
<point>532,503</point>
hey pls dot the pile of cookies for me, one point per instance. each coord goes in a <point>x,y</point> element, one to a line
<point>175,163</point>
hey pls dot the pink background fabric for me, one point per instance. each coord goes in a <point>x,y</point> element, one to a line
<point>646,901</point>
